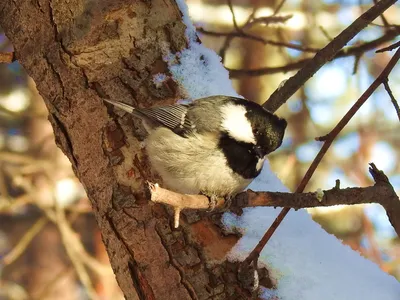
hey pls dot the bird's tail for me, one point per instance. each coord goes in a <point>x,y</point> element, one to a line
<point>121,105</point>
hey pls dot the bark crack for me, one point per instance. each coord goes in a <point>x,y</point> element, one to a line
<point>175,264</point>
<point>56,73</point>
<point>143,288</point>
<point>63,138</point>
<point>39,6</point>
<point>53,22</point>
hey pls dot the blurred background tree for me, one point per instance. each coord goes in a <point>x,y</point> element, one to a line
<point>36,178</point>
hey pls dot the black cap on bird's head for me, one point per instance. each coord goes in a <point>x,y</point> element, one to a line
<point>268,129</point>
<point>249,133</point>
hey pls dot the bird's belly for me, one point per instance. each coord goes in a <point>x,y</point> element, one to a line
<point>209,182</point>
<point>192,165</point>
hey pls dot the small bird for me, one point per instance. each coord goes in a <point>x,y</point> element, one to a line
<point>214,146</point>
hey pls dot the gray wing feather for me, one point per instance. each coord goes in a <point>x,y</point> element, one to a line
<point>201,115</point>
<point>173,117</point>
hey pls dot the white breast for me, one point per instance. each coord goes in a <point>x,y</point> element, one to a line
<point>192,165</point>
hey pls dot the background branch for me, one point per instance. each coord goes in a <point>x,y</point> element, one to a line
<point>392,98</point>
<point>349,51</point>
<point>290,86</point>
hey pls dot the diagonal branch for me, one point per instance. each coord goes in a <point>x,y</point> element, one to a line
<point>392,98</point>
<point>283,93</point>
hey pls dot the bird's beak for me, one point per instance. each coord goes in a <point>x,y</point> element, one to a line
<point>259,151</point>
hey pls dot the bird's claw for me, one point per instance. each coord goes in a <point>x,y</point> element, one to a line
<point>212,202</point>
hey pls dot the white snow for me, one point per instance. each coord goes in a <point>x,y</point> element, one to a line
<point>200,71</point>
<point>306,262</point>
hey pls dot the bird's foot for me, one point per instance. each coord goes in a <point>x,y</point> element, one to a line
<point>213,202</point>
<point>228,202</point>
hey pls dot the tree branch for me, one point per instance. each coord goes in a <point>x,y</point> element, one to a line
<point>381,192</point>
<point>290,86</point>
<point>244,35</point>
<point>392,98</point>
<point>350,51</point>
<point>389,48</point>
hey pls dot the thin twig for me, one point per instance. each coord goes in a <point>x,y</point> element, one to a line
<point>24,242</point>
<point>389,48</point>
<point>325,33</point>
<point>279,7</point>
<point>240,31</point>
<point>224,48</point>
<point>384,21</point>
<point>268,20</point>
<point>244,35</point>
<point>11,206</point>
<point>3,187</point>
<point>346,52</point>
<point>233,16</point>
<point>70,243</point>
<point>228,40</point>
<point>392,98</point>
<point>356,63</point>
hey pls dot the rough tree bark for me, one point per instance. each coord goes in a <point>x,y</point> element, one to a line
<point>77,51</point>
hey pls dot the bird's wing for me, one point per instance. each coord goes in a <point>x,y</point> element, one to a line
<point>173,117</point>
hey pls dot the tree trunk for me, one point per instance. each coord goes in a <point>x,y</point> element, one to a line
<point>78,51</point>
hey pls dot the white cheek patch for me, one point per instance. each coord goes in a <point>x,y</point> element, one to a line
<point>234,121</point>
